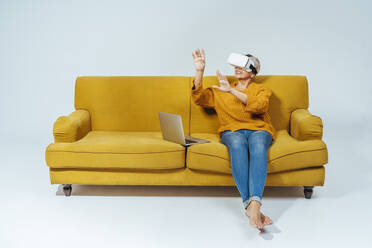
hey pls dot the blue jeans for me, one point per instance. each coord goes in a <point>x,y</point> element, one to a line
<point>249,170</point>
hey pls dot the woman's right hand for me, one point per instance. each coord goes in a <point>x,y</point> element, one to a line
<point>199,59</point>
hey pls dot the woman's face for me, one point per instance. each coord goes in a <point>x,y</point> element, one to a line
<point>240,73</point>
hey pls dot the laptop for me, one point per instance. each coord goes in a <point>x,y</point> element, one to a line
<point>172,130</point>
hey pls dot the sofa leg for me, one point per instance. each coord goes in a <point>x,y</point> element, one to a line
<point>308,191</point>
<point>67,189</point>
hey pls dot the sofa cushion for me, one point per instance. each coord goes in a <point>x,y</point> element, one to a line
<point>286,153</point>
<point>117,149</point>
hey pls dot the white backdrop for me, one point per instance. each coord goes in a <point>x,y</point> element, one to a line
<point>45,45</point>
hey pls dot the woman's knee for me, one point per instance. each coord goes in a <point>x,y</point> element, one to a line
<point>257,149</point>
<point>259,142</point>
<point>260,137</point>
<point>234,140</point>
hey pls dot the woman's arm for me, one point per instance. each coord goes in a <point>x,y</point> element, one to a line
<point>199,62</point>
<point>258,102</point>
<point>255,102</point>
<point>226,87</point>
<point>200,96</point>
<point>198,79</point>
<point>240,95</point>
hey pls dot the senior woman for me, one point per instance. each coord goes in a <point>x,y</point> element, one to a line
<point>245,125</point>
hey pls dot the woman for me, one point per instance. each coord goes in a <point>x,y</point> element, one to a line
<point>245,125</point>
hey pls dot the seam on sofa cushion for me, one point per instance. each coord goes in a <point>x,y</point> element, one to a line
<point>296,153</point>
<point>117,152</point>
<point>210,155</point>
<point>112,169</point>
<point>270,159</point>
<point>298,169</point>
<point>276,172</point>
<point>210,172</point>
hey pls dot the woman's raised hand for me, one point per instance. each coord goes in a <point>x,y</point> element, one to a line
<point>199,59</point>
<point>224,83</point>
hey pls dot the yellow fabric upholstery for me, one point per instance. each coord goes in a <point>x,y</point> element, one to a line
<point>114,149</point>
<point>114,136</point>
<point>309,177</point>
<point>305,126</point>
<point>286,153</point>
<point>72,127</point>
<point>132,103</point>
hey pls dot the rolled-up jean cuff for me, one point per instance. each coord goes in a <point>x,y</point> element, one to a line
<point>246,202</point>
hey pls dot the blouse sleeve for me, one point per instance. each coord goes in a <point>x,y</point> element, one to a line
<point>202,97</point>
<point>258,102</point>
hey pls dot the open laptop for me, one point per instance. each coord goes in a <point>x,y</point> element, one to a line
<point>172,130</point>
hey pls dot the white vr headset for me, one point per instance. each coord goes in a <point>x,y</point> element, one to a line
<point>243,61</point>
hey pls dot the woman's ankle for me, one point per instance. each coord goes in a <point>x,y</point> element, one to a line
<point>253,204</point>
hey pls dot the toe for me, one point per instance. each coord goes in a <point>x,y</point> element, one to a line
<point>255,222</point>
<point>266,220</point>
<point>269,220</point>
<point>259,223</point>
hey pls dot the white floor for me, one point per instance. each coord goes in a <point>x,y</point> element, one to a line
<point>35,213</point>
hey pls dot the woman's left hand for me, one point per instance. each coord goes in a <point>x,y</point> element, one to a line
<point>224,83</point>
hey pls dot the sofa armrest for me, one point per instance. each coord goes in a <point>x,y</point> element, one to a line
<point>72,127</point>
<point>305,126</point>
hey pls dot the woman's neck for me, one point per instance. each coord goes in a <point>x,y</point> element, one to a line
<point>243,83</point>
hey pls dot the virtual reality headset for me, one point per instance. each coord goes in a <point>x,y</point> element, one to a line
<point>243,61</point>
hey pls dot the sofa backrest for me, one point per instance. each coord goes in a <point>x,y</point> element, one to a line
<point>132,103</point>
<point>289,93</point>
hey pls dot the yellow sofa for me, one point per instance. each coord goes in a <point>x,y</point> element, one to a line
<point>114,137</point>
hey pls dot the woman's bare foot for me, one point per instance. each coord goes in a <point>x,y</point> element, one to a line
<point>257,219</point>
<point>254,214</point>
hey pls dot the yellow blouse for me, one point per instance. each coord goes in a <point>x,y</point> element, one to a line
<point>232,113</point>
